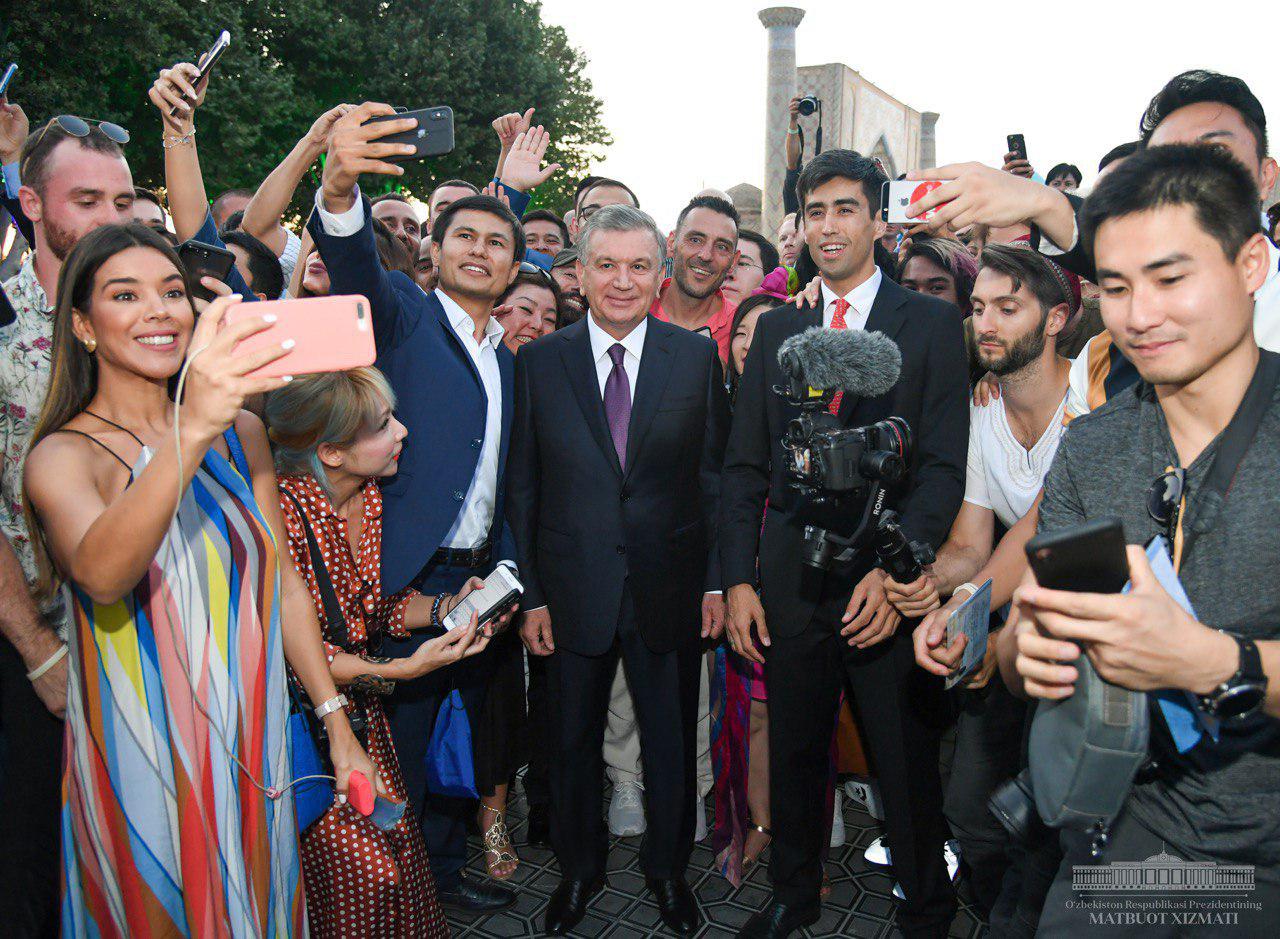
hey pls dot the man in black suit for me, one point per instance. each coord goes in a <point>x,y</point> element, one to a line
<point>612,499</point>
<point>824,628</point>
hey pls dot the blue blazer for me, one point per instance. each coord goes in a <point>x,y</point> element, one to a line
<point>440,398</point>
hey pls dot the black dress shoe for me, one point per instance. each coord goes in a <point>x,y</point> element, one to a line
<point>779,920</point>
<point>539,830</point>
<point>676,905</point>
<point>568,905</point>
<point>473,896</point>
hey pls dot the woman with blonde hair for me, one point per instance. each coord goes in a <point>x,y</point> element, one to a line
<point>334,435</point>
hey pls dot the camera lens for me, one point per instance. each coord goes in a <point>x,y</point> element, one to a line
<point>808,105</point>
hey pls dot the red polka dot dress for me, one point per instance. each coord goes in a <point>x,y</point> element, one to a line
<point>360,880</point>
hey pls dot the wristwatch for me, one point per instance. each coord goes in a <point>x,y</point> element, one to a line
<point>1243,693</point>
<point>336,703</point>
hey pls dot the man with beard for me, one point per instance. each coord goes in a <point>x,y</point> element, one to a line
<point>703,249</point>
<point>1021,302</point>
<point>70,186</point>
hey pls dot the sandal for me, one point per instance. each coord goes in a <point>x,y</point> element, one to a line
<point>749,861</point>
<point>498,850</point>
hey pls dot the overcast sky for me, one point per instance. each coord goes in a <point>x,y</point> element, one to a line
<point>683,81</point>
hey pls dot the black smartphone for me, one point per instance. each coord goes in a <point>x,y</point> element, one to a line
<point>1018,145</point>
<point>202,260</point>
<point>432,137</point>
<point>1088,558</point>
<point>8,77</point>
<point>208,60</point>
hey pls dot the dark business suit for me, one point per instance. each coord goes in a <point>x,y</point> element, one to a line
<point>808,660</point>
<point>622,559</point>
<point>441,400</point>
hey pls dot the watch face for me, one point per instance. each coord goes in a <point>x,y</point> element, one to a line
<point>1239,701</point>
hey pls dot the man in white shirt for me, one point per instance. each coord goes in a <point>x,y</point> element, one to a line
<point>1021,303</point>
<point>442,521</point>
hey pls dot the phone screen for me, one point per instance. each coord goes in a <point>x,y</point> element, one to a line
<point>485,602</point>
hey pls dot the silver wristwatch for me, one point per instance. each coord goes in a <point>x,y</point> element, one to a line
<point>336,703</point>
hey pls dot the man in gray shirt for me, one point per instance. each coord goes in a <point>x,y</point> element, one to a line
<point>1175,235</point>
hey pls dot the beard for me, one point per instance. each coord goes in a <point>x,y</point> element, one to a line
<point>59,239</point>
<point>680,273</point>
<point>1017,356</point>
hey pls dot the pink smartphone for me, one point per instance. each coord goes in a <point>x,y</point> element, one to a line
<point>330,334</point>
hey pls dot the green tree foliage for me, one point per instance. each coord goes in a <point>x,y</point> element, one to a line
<point>290,60</point>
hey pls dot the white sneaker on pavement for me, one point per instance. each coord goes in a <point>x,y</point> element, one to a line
<point>862,789</point>
<point>878,853</point>
<point>626,810</point>
<point>951,853</point>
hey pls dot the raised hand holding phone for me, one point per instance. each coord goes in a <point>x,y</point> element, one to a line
<point>176,94</point>
<point>354,148</point>
<point>14,129</point>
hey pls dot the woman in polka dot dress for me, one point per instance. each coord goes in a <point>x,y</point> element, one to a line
<point>333,436</point>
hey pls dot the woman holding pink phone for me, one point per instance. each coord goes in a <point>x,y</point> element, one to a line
<point>334,436</point>
<point>162,523</point>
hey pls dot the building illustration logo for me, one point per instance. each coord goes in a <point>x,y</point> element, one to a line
<point>1162,874</point>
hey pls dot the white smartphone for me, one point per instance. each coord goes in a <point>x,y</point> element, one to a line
<point>897,194</point>
<point>500,592</point>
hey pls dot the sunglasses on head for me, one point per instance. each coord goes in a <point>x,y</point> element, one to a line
<point>528,267</point>
<point>80,127</point>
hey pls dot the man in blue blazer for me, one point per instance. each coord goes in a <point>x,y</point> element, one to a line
<point>443,511</point>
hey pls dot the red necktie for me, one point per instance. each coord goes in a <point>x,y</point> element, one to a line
<point>837,322</point>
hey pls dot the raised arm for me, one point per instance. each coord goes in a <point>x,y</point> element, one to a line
<point>342,225</point>
<point>271,200</point>
<point>184,182</point>
<point>508,127</point>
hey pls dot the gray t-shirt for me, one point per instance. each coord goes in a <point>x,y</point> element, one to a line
<point>1218,801</point>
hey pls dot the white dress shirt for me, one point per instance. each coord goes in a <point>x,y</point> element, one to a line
<point>860,300</point>
<point>602,342</point>
<point>471,527</point>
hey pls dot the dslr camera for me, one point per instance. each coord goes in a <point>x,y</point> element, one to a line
<point>843,475</point>
<point>808,105</point>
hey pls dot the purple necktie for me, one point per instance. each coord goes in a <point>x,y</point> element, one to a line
<point>617,402</point>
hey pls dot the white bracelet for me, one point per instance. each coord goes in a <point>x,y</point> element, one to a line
<point>793,130</point>
<point>972,588</point>
<point>38,672</point>
<point>336,703</point>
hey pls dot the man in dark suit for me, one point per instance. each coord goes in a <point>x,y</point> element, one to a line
<point>612,486</point>
<point>823,628</point>
<point>442,519</point>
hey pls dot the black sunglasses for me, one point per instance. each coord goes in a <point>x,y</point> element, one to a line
<point>80,127</point>
<point>528,267</point>
<point>1164,499</point>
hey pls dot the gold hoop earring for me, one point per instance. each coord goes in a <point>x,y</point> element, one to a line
<point>90,345</point>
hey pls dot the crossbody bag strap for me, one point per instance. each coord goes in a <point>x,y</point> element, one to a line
<point>335,622</point>
<point>1235,443</point>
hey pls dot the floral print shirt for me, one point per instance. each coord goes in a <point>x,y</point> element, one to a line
<point>25,346</point>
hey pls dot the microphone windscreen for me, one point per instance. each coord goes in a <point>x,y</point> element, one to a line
<point>855,361</point>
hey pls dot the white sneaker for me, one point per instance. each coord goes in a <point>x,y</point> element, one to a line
<point>626,810</point>
<point>700,820</point>
<point>950,853</point>
<point>878,853</point>
<point>863,790</point>
<point>837,821</point>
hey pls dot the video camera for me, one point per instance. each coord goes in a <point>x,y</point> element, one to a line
<point>844,475</point>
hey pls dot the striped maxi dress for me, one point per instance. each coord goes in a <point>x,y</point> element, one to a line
<point>162,833</point>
